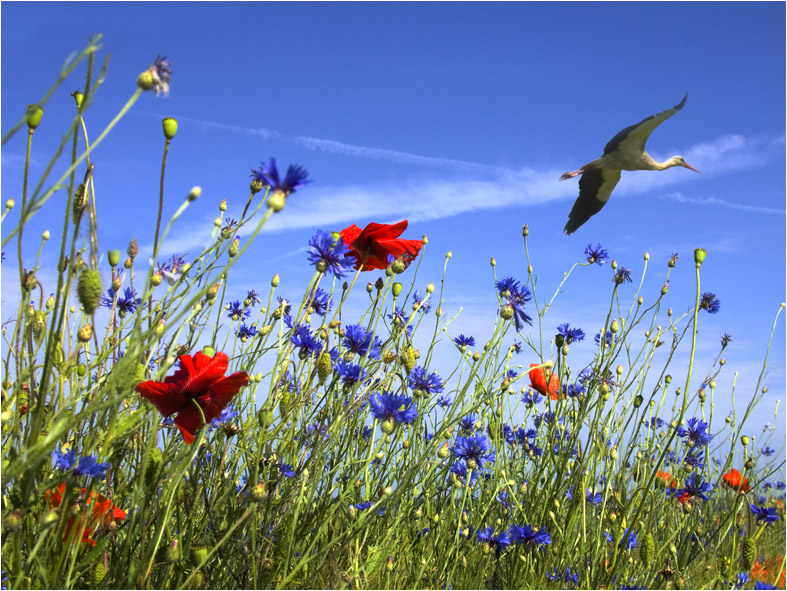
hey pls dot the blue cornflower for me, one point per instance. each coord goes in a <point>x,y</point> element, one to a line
<point>237,311</point>
<point>725,340</point>
<point>561,577</point>
<point>761,585</point>
<point>695,432</point>
<point>463,341</point>
<point>765,514</point>
<point>767,451</point>
<point>741,580</point>
<point>596,498</point>
<point>321,302</point>
<point>531,398</point>
<point>253,297</point>
<point>303,338</point>
<point>694,459</point>
<point>475,448</point>
<point>127,304</point>
<point>351,373</point>
<point>246,332</point>
<point>360,342</point>
<point>268,174</point>
<point>419,380</point>
<point>657,423</point>
<point>64,461</point>
<point>459,469</point>
<point>286,470</point>
<point>528,536</point>
<point>329,257</point>
<point>399,317</point>
<point>609,339</point>
<point>508,434</point>
<point>89,467</point>
<point>284,306</point>
<point>511,374</point>
<point>622,275</point>
<point>573,390</point>
<point>444,402</point>
<point>695,487</point>
<point>366,432</point>
<point>570,335</point>
<point>596,254</point>
<point>710,303</point>
<point>485,535</point>
<point>418,300</point>
<point>225,417</point>
<point>385,406</point>
<point>517,296</point>
<point>467,424</point>
<point>517,347</point>
<point>629,538</point>
<point>501,541</point>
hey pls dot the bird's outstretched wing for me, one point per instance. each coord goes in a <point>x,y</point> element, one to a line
<point>595,187</point>
<point>633,138</point>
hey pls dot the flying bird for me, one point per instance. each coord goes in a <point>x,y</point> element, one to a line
<point>625,151</point>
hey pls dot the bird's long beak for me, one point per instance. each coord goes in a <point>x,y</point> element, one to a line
<point>690,167</point>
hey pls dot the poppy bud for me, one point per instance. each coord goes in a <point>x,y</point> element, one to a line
<point>492,261</point>
<point>369,286</point>
<point>265,417</point>
<point>99,572</point>
<point>170,126</point>
<point>647,550</point>
<point>89,290</point>
<point>640,300</point>
<point>638,401</point>
<point>476,356</point>
<point>615,326</point>
<point>745,441</point>
<point>667,379</point>
<point>749,553</point>
<point>33,116</point>
<point>699,256</point>
<point>442,453</point>
<point>324,366</point>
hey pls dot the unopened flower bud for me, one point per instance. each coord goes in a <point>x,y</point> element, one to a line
<point>396,289</point>
<point>234,247</point>
<point>615,326</point>
<point>194,194</point>
<point>275,280</point>
<point>276,201</point>
<point>132,249</point>
<point>398,266</point>
<point>85,333</point>
<point>259,493</point>
<point>156,279</point>
<point>745,441</point>
<point>33,117</point>
<point>699,256</point>
<point>113,257</point>
<point>507,312</point>
<point>9,204</point>
<point>170,126</point>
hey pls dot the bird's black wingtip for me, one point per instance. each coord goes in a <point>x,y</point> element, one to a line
<point>683,102</point>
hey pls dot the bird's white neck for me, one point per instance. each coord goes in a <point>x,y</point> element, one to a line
<point>674,161</point>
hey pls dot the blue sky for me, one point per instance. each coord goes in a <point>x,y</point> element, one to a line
<point>457,117</point>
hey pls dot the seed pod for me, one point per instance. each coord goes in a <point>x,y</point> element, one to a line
<point>749,553</point>
<point>408,359</point>
<point>80,201</point>
<point>170,126</point>
<point>89,290</point>
<point>647,550</point>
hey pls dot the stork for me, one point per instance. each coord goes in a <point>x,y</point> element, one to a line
<point>625,151</point>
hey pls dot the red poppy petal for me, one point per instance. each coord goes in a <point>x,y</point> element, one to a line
<point>396,247</point>
<point>118,514</point>
<point>380,232</point>
<point>225,390</point>
<point>167,398</point>
<point>189,421</point>
<point>350,234</point>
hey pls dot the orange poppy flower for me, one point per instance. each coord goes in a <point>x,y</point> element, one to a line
<point>734,480</point>
<point>538,381</point>
<point>102,513</point>
<point>665,479</point>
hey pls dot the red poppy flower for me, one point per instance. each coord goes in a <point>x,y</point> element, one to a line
<point>102,513</point>
<point>733,480</point>
<point>372,245</point>
<point>665,479</point>
<point>538,381</point>
<point>200,379</point>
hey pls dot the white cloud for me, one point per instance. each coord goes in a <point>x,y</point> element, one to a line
<point>714,201</point>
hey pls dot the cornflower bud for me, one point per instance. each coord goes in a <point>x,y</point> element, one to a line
<point>85,333</point>
<point>615,326</point>
<point>132,249</point>
<point>234,247</point>
<point>156,279</point>
<point>9,204</point>
<point>275,280</point>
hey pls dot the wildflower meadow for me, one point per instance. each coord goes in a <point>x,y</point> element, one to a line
<point>158,433</point>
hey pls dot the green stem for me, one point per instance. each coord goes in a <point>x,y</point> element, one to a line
<point>160,198</point>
